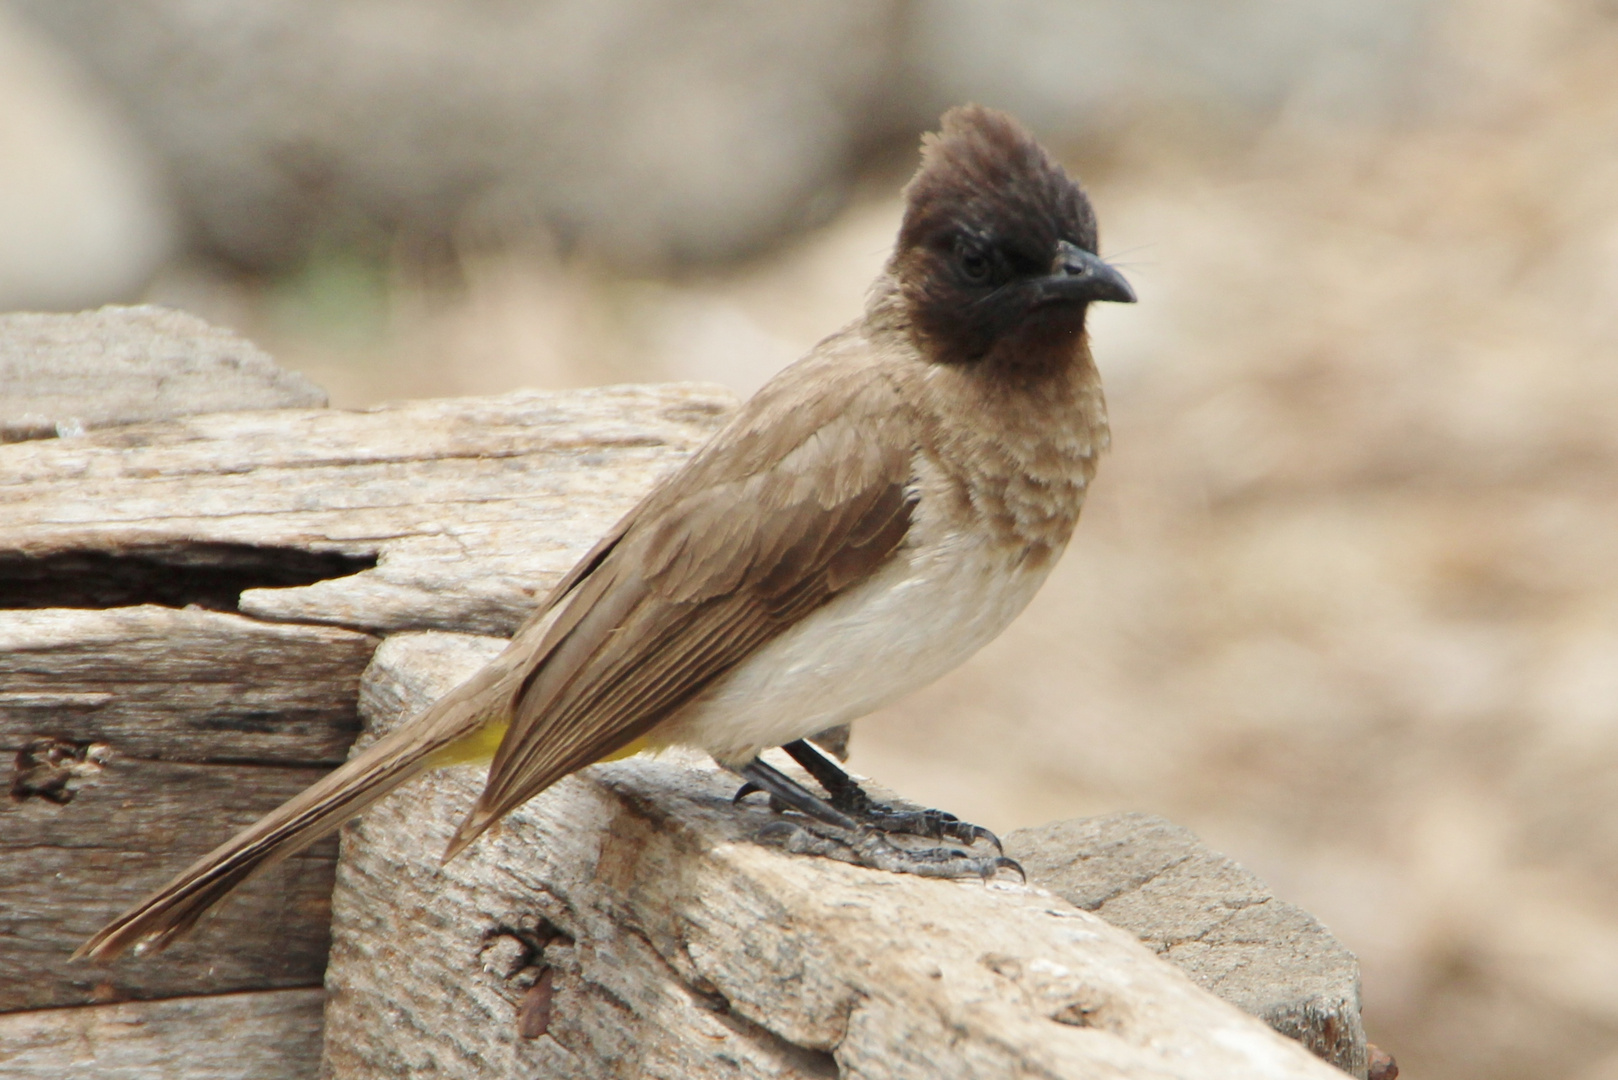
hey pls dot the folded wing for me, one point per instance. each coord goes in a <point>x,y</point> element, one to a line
<point>802,497</point>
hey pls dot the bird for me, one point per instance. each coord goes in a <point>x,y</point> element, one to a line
<point>872,516</point>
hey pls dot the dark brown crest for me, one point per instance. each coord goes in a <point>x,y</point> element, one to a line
<point>988,219</point>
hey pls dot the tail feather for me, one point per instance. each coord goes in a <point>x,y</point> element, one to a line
<point>317,812</point>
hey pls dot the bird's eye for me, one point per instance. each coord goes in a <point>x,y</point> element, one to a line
<point>975,265</point>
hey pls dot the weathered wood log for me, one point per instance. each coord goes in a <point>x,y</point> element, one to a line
<point>272,1035</point>
<point>629,922</point>
<point>64,870</point>
<point>153,732</point>
<point>144,730</point>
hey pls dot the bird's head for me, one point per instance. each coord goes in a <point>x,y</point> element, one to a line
<point>996,258</point>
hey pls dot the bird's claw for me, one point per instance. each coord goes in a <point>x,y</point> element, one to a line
<point>751,788</point>
<point>933,824</point>
<point>1005,863</point>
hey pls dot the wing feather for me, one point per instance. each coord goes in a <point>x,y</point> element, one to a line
<point>803,496</point>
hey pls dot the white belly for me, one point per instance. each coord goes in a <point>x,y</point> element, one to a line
<point>914,620</point>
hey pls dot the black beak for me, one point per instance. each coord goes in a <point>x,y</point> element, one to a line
<point>1077,274</point>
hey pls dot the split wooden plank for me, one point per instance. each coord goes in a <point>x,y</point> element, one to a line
<point>470,507</point>
<point>180,685</point>
<point>270,1035</point>
<point>629,923</point>
<point>140,736</point>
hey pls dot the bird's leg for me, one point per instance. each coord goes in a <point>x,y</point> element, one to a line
<point>846,795</point>
<point>834,834</point>
<point>833,779</point>
<point>781,788</point>
<point>842,790</point>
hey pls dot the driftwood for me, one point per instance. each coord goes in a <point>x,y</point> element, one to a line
<point>149,707</point>
<point>186,607</point>
<point>629,922</point>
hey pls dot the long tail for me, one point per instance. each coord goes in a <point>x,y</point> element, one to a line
<point>437,737</point>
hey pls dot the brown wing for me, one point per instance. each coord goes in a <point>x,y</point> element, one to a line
<point>803,495</point>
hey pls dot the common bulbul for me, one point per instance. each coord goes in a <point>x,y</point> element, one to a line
<point>869,519</point>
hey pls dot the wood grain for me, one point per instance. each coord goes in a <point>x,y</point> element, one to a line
<point>471,506</point>
<point>202,721</point>
<point>271,1035</point>
<point>181,685</point>
<point>1210,917</point>
<point>65,870</point>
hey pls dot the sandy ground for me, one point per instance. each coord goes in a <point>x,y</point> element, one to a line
<point>1346,597</point>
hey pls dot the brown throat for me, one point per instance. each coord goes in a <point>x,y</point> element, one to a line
<point>1020,444</point>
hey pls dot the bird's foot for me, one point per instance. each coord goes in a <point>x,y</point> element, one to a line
<point>845,795</point>
<point>932,824</point>
<point>851,827</point>
<point>871,848</point>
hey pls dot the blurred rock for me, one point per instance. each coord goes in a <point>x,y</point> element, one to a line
<point>82,217</point>
<point>61,374</point>
<point>1210,917</point>
<point>645,131</point>
<point>651,132</point>
<point>1072,69</point>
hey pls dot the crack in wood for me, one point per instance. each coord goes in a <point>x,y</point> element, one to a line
<point>178,574</point>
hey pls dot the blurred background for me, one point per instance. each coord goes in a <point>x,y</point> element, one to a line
<point>1345,600</point>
